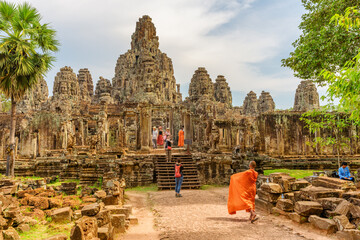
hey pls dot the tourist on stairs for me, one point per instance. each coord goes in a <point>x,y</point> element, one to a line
<point>178,177</point>
<point>344,172</point>
<point>242,191</point>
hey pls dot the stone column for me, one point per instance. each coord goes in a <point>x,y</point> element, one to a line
<point>145,129</point>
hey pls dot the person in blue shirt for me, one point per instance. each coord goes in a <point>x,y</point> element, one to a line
<point>344,172</point>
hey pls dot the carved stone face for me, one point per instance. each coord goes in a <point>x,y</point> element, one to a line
<point>63,88</point>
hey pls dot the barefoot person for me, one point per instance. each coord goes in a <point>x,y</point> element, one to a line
<point>178,177</point>
<point>181,137</point>
<point>242,191</point>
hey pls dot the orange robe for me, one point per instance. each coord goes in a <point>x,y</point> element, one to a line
<point>242,191</point>
<point>181,138</point>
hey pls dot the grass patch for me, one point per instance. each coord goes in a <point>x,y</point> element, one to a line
<point>293,172</point>
<point>45,231</point>
<point>206,187</point>
<point>151,188</point>
<point>58,182</point>
<point>29,178</point>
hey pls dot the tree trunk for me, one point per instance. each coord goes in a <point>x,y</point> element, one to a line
<point>10,164</point>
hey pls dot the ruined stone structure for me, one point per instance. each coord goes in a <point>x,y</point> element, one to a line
<point>306,97</point>
<point>84,135</point>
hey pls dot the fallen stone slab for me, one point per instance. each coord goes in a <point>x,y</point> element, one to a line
<point>342,222</point>
<point>311,193</point>
<point>334,183</point>
<point>267,206</point>
<point>307,208</point>
<point>323,223</point>
<point>112,200</point>
<point>117,209</point>
<point>85,228</point>
<point>271,188</point>
<point>276,211</point>
<point>290,196</point>
<point>298,218</point>
<point>299,184</point>
<point>343,208</point>
<point>10,234</point>
<point>103,217</point>
<point>133,220</point>
<point>118,222</point>
<point>269,197</point>
<point>351,194</point>
<point>354,201</point>
<point>285,205</point>
<point>104,233</point>
<point>329,203</point>
<point>101,194</point>
<point>61,215</point>
<point>355,211</point>
<point>90,210</point>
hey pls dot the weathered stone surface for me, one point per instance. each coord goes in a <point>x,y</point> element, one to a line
<point>297,217</point>
<point>10,234</point>
<point>23,228</point>
<point>269,197</point>
<point>343,208</point>
<point>116,209</point>
<point>118,222</point>
<point>100,194</point>
<point>103,233</point>
<point>307,208</point>
<point>299,184</point>
<point>34,98</point>
<point>306,97</point>
<point>201,87</point>
<point>313,193</point>
<point>62,215</point>
<point>39,202</point>
<point>86,85</point>
<point>323,223</point>
<point>85,229</point>
<point>267,206</point>
<point>348,234</point>
<point>334,183</point>
<point>103,217</point>
<point>278,211</point>
<point>351,194</point>
<point>250,105</point>
<point>222,91</point>
<point>329,203</point>
<point>354,201</point>
<point>265,103</point>
<point>90,210</point>
<point>133,220</point>
<point>103,91</point>
<point>342,222</point>
<point>271,188</point>
<point>285,205</point>
<point>354,211</point>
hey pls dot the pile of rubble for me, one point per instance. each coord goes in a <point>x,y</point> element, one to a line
<point>330,204</point>
<point>98,214</point>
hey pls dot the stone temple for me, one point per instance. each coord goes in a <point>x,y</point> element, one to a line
<point>89,134</point>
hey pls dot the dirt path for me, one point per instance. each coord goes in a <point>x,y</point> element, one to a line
<point>142,210</point>
<point>202,214</point>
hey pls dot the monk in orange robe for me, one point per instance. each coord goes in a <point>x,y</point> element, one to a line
<point>242,191</point>
<point>181,137</point>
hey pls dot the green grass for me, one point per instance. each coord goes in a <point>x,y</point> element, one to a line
<point>58,183</point>
<point>206,187</point>
<point>45,231</point>
<point>150,188</point>
<point>293,172</point>
<point>29,178</point>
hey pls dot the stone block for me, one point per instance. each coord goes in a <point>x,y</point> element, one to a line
<point>334,183</point>
<point>10,234</point>
<point>290,196</point>
<point>276,211</point>
<point>307,208</point>
<point>100,194</point>
<point>298,218</point>
<point>103,217</point>
<point>269,197</point>
<point>330,213</point>
<point>311,193</point>
<point>103,233</point>
<point>299,184</point>
<point>271,188</point>
<point>85,228</point>
<point>39,202</point>
<point>329,203</point>
<point>285,205</point>
<point>354,201</point>
<point>343,208</point>
<point>323,223</point>
<point>118,222</point>
<point>342,222</point>
<point>354,211</point>
<point>112,200</point>
<point>128,207</point>
<point>267,206</point>
<point>62,215</point>
<point>77,215</point>
<point>23,228</point>
<point>117,209</point>
<point>133,220</point>
<point>351,194</point>
<point>90,210</point>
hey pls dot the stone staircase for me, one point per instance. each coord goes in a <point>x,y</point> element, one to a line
<point>165,172</point>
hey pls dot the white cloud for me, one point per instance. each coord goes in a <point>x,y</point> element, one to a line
<point>226,37</point>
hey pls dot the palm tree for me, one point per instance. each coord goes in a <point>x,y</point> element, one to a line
<point>26,46</point>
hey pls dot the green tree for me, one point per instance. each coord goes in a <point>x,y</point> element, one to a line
<point>26,46</point>
<point>329,129</point>
<point>5,103</point>
<point>322,45</point>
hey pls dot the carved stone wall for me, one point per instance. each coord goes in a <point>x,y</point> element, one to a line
<point>34,98</point>
<point>201,87</point>
<point>103,91</point>
<point>306,97</point>
<point>85,84</point>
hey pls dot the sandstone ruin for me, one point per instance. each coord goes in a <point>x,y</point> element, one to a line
<point>79,133</point>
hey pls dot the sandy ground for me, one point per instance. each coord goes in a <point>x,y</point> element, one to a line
<point>202,214</point>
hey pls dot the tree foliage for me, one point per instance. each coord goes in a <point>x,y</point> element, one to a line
<point>322,45</point>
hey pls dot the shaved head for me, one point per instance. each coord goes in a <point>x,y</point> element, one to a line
<point>252,164</point>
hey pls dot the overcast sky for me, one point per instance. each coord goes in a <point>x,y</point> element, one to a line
<point>244,40</point>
